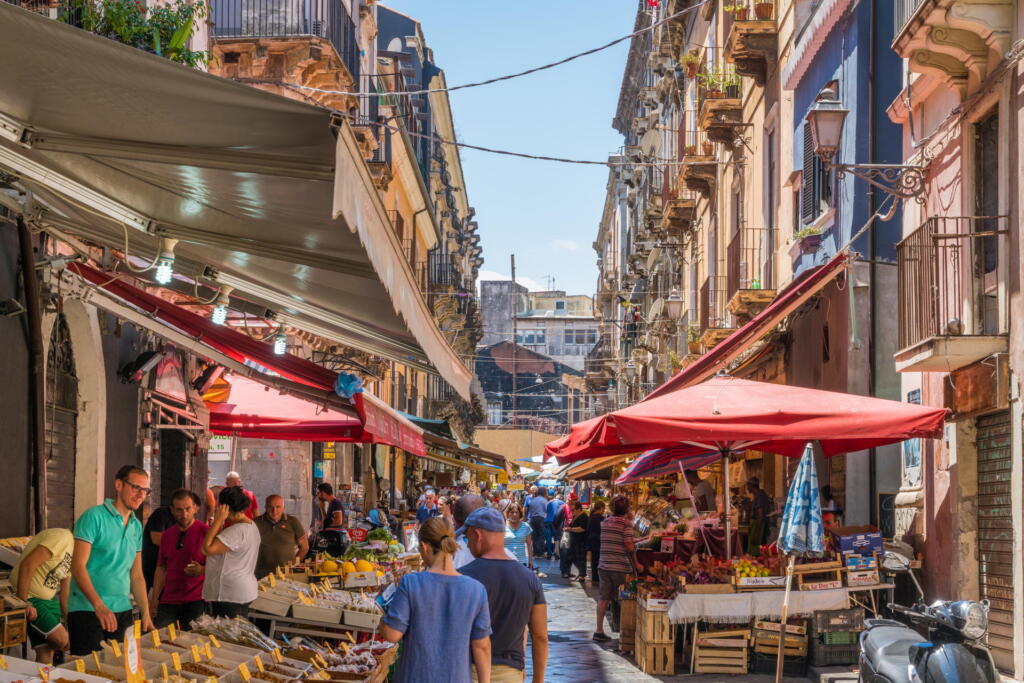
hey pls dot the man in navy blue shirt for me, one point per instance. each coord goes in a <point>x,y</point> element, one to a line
<point>536,511</point>
<point>515,598</point>
<point>551,542</point>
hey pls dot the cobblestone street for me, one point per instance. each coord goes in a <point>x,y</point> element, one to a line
<point>575,658</point>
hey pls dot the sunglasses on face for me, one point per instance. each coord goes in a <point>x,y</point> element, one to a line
<point>138,489</point>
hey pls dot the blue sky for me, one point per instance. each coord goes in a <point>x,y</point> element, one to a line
<point>546,213</point>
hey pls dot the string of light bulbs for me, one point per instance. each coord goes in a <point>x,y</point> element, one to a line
<point>508,77</point>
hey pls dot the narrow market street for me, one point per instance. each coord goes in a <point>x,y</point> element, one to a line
<point>575,658</point>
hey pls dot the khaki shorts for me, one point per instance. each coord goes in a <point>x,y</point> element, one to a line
<point>501,673</point>
<point>610,582</point>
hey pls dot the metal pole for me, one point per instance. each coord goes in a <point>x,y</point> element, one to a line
<point>515,336</point>
<point>728,503</point>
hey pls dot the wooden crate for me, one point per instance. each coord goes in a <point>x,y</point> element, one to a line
<point>722,652</point>
<point>769,645</point>
<point>654,627</point>
<point>13,628</point>
<point>627,625</point>
<point>658,659</point>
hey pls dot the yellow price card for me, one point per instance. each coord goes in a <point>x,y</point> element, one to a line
<point>43,674</point>
<point>3,663</point>
<point>344,645</point>
<point>213,639</point>
<point>280,572</point>
<point>155,637</point>
<point>272,580</point>
<point>259,663</point>
<point>350,637</point>
<point>323,662</point>
<point>207,651</point>
<point>80,666</point>
<point>329,648</point>
<point>195,654</point>
<point>172,632</point>
<point>244,670</point>
<point>138,629</point>
<point>116,647</point>
<point>277,655</point>
<point>163,671</point>
<point>176,661</point>
<point>96,658</point>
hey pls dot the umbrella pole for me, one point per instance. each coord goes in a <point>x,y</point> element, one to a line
<point>728,503</point>
<point>782,627</point>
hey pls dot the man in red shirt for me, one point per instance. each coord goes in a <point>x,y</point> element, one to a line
<point>177,593</point>
<point>233,479</point>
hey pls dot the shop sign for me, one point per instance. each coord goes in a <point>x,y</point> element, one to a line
<point>220,448</point>
<point>330,452</point>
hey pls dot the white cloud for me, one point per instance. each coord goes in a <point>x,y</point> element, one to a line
<point>527,282</point>
<point>567,245</point>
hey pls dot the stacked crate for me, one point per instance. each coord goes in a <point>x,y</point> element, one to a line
<point>722,652</point>
<point>655,642</point>
<point>834,636</point>
<point>766,648</point>
<point>627,625</point>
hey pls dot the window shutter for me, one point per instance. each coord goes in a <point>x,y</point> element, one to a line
<point>809,180</point>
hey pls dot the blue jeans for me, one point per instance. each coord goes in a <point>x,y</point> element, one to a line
<point>550,547</point>
<point>537,535</point>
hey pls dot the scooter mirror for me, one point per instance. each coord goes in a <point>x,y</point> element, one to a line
<point>895,562</point>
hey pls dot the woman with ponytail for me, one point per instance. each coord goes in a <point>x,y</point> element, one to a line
<point>441,616</point>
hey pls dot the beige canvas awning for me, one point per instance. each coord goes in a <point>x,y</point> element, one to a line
<point>109,137</point>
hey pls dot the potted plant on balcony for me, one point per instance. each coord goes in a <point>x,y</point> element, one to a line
<point>690,150</point>
<point>731,84</point>
<point>739,12</point>
<point>809,239</point>
<point>690,61</point>
<point>708,148</point>
<point>764,10</point>
<point>693,338</point>
<point>711,79</point>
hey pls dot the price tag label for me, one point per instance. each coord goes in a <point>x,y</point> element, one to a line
<point>213,639</point>
<point>277,655</point>
<point>272,580</point>
<point>207,651</point>
<point>43,674</point>
<point>244,670</point>
<point>176,661</point>
<point>280,572</point>
<point>3,663</point>
<point>315,663</point>
<point>116,647</point>
<point>96,658</point>
<point>323,662</point>
<point>80,666</point>
<point>163,671</point>
<point>329,648</point>
<point>350,637</point>
<point>155,636</point>
<point>259,664</point>
<point>344,645</point>
<point>138,629</point>
<point>172,632</point>
<point>195,654</point>
<point>263,587</point>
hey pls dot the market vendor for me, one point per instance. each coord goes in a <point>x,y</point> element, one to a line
<point>106,566</point>
<point>760,514</point>
<point>703,494</point>
<point>177,593</point>
<point>282,538</point>
<point>44,568</point>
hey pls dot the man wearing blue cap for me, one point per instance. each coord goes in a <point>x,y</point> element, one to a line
<point>514,595</point>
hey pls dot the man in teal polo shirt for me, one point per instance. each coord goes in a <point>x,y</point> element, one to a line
<point>106,567</point>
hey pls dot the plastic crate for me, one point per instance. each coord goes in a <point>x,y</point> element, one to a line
<point>791,666</point>
<point>839,638</point>
<point>827,655</point>
<point>828,621</point>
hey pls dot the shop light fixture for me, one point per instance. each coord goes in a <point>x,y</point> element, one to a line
<point>165,261</point>
<point>280,343</point>
<point>219,316</point>
<point>35,172</point>
<point>674,305</point>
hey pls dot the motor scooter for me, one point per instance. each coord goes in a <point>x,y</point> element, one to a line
<point>953,651</point>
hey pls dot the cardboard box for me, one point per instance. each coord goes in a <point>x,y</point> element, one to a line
<point>862,540</point>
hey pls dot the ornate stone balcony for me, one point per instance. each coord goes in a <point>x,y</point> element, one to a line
<point>958,41</point>
<point>751,46</point>
<point>720,117</point>
<point>700,174</point>
<point>679,213</point>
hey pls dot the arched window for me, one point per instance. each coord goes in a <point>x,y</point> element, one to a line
<point>61,427</point>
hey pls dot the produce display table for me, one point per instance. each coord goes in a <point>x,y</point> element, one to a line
<point>304,627</point>
<point>714,540</point>
<point>763,604</point>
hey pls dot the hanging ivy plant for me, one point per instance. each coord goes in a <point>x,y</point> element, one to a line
<point>164,30</point>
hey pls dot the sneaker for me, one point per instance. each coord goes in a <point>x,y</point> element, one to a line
<point>601,637</point>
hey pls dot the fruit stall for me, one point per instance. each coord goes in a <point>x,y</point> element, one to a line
<point>708,614</point>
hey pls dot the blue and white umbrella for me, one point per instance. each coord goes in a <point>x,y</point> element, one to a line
<point>802,532</point>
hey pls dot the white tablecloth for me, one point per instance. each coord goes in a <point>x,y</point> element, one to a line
<point>767,604</point>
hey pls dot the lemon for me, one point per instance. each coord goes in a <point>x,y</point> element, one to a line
<point>363,566</point>
<point>348,567</point>
<point>329,567</point>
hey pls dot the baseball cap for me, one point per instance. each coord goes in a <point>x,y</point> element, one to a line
<point>484,518</point>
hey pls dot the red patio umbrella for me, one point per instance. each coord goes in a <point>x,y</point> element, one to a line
<point>730,414</point>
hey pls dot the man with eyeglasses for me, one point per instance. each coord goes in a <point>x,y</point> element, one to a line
<point>106,566</point>
<point>282,538</point>
<point>177,593</point>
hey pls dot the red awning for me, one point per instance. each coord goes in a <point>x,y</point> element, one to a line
<point>379,423</point>
<point>764,322</point>
<point>252,410</point>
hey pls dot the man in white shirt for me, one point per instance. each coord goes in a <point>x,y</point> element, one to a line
<point>703,494</point>
<point>463,506</point>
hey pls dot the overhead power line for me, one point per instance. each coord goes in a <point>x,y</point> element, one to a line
<point>498,79</point>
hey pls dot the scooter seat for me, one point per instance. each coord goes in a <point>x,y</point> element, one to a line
<point>888,648</point>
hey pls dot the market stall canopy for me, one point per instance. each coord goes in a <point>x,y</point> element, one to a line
<point>249,409</point>
<point>728,413</point>
<point>662,462</point>
<point>111,139</point>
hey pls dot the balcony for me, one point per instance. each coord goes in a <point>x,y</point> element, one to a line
<point>715,323</point>
<point>380,162</point>
<point>952,293</point>
<point>300,42</point>
<point>749,260</point>
<point>957,41</point>
<point>700,172</point>
<point>753,39</point>
<point>721,115</point>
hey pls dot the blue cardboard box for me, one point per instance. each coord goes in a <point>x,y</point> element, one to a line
<point>862,540</point>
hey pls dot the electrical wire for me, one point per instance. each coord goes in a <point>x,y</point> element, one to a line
<point>128,260</point>
<point>498,79</point>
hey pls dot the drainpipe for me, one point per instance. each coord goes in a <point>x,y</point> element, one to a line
<point>872,253</point>
<point>37,398</point>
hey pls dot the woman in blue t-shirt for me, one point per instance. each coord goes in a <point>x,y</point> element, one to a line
<point>439,601</point>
